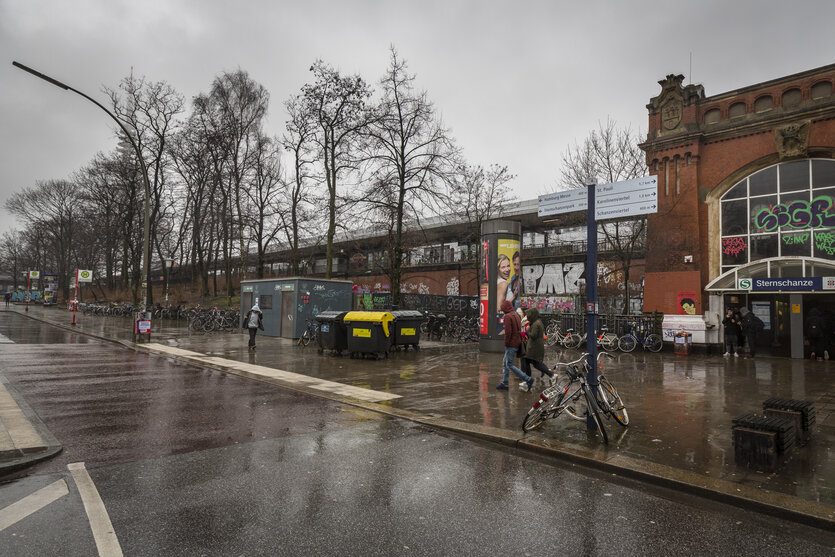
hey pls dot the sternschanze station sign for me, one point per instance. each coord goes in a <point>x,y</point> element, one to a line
<point>629,198</point>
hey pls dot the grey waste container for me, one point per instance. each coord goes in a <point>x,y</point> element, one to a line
<point>333,334</point>
<point>407,328</point>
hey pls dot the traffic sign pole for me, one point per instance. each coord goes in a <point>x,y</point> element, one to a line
<point>591,300</point>
<point>75,298</point>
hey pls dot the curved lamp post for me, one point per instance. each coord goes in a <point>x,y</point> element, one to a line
<point>146,252</point>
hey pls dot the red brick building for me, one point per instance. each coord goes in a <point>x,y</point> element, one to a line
<point>746,187</point>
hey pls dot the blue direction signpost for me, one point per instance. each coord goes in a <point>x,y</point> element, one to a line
<point>629,198</point>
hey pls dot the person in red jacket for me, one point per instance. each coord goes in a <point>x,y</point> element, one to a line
<point>512,340</point>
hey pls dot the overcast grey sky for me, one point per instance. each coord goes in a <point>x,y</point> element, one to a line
<point>517,82</point>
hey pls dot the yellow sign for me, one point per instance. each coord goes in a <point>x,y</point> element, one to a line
<point>407,332</point>
<point>795,308</point>
<point>362,333</point>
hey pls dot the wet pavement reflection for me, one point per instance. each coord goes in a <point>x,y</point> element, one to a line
<point>680,407</point>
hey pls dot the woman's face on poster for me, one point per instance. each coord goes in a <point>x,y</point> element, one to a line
<point>504,268</point>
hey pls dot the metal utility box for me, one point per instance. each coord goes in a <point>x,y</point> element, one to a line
<point>288,303</point>
<point>333,335</point>
<point>407,328</point>
<point>369,332</point>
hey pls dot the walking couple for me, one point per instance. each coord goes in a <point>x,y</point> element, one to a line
<point>535,347</point>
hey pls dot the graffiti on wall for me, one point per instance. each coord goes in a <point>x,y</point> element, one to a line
<point>825,242</point>
<point>798,214</point>
<point>549,304</point>
<point>797,239</point>
<point>733,246</point>
<point>553,278</point>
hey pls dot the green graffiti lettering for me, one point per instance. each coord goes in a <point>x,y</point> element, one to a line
<point>825,242</point>
<point>796,239</point>
<point>796,215</point>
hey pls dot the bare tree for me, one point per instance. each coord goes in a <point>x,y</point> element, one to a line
<point>265,199</point>
<point>412,158</point>
<point>149,111</point>
<point>610,154</point>
<point>480,194</point>
<point>13,257</point>
<point>336,106</point>
<point>298,140</point>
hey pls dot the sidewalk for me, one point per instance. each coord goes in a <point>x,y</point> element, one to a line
<point>680,408</point>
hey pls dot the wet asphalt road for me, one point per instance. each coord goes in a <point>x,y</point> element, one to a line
<point>191,461</point>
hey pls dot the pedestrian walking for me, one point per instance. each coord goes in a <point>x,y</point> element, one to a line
<point>732,332</point>
<point>512,341</point>
<point>535,351</point>
<point>751,325</point>
<point>8,297</point>
<point>253,320</point>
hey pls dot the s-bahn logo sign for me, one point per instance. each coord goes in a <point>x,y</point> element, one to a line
<point>744,284</point>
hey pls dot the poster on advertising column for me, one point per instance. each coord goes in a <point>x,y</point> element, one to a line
<point>508,278</point>
<point>484,288</point>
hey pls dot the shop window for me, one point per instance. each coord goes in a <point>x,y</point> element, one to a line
<point>763,205</point>
<point>796,244</point>
<point>734,217</point>
<point>738,191</point>
<point>824,243</point>
<point>822,90</point>
<point>794,176</point>
<point>763,246</point>
<point>763,104</point>
<point>265,301</point>
<point>792,98</point>
<point>823,173</point>
<point>712,116</point>
<point>737,110</point>
<point>763,182</point>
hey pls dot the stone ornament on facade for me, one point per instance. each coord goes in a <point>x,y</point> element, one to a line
<point>792,140</point>
<point>671,112</point>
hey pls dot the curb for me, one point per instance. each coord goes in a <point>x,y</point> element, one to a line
<point>785,507</point>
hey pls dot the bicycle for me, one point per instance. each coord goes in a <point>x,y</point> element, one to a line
<point>650,341</point>
<point>309,334</point>
<point>607,340</point>
<point>602,397</point>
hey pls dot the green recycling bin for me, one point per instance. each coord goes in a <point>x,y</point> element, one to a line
<point>332,332</point>
<point>369,332</point>
<point>407,328</point>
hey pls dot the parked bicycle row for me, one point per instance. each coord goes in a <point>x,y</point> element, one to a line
<point>638,332</point>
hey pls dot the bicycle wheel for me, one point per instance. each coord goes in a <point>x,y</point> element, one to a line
<point>654,343</point>
<point>615,403</point>
<point>627,343</point>
<point>547,407</point>
<point>594,412</point>
<point>574,340</point>
<point>572,406</point>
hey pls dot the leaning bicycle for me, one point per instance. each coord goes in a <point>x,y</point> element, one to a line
<point>579,399</point>
<point>309,334</point>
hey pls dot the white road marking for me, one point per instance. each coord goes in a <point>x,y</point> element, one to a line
<point>5,340</point>
<point>32,503</point>
<point>106,540</point>
<point>360,393</point>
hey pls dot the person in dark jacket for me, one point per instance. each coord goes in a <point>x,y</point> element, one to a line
<point>750,325</point>
<point>512,340</point>
<point>816,333</point>
<point>732,332</point>
<point>253,320</point>
<point>535,353</point>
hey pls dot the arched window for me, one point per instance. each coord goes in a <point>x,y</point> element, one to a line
<point>737,110</point>
<point>763,104</point>
<point>822,90</point>
<point>712,116</point>
<point>792,98</point>
<point>784,210</point>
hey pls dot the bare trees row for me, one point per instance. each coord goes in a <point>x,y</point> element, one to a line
<point>223,194</point>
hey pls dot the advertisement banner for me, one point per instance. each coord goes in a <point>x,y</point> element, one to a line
<point>508,277</point>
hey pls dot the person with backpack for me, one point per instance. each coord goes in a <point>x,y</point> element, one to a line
<point>751,325</point>
<point>535,350</point>
<point>253,320</point>
<point>512,340</point>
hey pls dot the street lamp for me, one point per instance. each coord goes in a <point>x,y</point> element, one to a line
<point>146,252</point>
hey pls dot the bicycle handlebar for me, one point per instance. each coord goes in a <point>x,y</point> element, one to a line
<point>582,357</point>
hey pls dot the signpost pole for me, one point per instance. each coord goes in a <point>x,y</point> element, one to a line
<point>591,297</point>
<point>75,298</point>
<point>28,292</point>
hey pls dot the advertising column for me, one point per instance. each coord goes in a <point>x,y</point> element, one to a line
<point>500,279</point>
